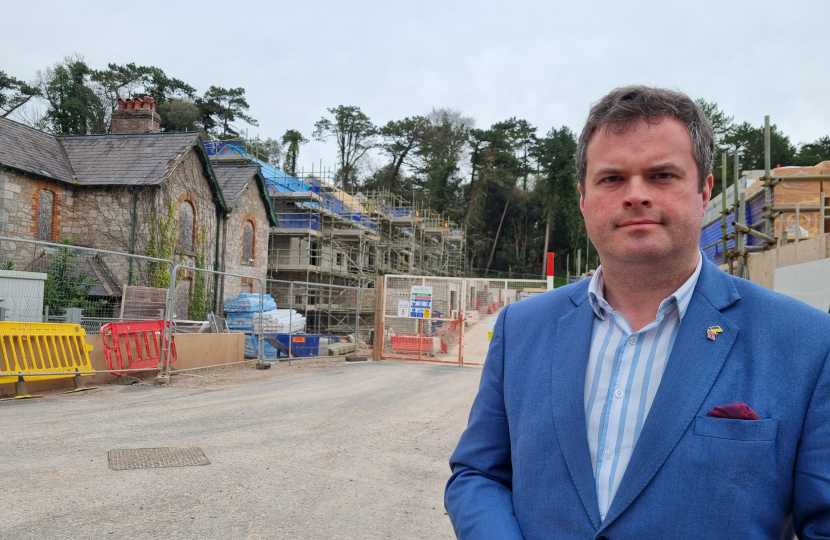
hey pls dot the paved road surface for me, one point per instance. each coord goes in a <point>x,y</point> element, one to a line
<point>354,451</point>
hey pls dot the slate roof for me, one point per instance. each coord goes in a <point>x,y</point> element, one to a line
<point>29,150</point>
<point>126,159</point>
<point>234,179</point>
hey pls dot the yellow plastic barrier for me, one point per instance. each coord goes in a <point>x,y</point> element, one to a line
<point>41,351</point>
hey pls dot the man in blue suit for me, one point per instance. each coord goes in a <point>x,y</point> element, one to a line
<point>663,398</point>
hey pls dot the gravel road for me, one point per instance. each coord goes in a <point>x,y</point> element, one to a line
<point>332,450</point>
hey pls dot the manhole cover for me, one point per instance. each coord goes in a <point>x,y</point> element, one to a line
<point>150,458</point>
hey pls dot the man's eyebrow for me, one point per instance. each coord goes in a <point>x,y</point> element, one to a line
<point>606,171</point>
<point>666,166</point>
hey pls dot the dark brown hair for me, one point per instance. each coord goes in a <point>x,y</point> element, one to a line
<point>624,106</point>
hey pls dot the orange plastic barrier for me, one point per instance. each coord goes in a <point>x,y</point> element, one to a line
<point>410,345</point>
<point>129,346</point>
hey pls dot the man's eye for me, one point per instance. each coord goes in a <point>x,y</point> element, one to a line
<point>664,176</point>
<point>611,179</point>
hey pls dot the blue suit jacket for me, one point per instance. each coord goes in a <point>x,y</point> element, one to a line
<point>522,468</point>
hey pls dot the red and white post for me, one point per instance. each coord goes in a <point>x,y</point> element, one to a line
<point>550,270</point>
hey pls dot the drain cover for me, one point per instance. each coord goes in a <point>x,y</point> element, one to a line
<point>150,458</point>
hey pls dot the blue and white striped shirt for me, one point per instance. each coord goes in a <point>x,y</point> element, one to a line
<point>623,374</point>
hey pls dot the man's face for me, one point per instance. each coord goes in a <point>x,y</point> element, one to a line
<point>641,202</point>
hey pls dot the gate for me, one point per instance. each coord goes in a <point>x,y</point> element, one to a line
<point>461,311</point>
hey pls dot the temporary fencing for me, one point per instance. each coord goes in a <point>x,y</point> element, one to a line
<point>194,293</point>
<point>461,312</point>
<point>139,303</point>
<point>61,282</point>
<point>435,337</point>
<point>131,346</point>
<point>42,351</point>
<point>332,318</point>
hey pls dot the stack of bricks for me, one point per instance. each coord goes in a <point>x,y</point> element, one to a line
<point>136,116</point>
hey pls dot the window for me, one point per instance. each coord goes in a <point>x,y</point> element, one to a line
<point>186,226</point>
<point>45,204</point>
<point>339,259</point>
<point>314,254</point>
<point>248,242</point>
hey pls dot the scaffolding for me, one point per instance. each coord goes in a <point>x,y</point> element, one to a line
<point>751,216</point>
<point>326,235</point>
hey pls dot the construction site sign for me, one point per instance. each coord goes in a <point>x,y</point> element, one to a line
<point>420,302</point>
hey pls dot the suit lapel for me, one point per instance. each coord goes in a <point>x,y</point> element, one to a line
<point>693,366</point>
<point>570,358</point>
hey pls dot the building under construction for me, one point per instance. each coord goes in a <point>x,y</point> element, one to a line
<point>326,235</point>
<point>329,245</point>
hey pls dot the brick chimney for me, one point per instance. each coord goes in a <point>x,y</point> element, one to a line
<point>136,116</point>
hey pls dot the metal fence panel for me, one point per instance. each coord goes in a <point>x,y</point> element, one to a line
<point>457,329</point>
<point>433,339</point>
<point>197,294</point>
<point>334,316</point>
<point>46,281</point>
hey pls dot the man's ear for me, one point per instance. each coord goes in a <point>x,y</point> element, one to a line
<point>707,191</point>
<point>581,199</point>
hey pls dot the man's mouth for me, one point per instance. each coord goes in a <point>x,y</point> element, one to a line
<point>638,223</point>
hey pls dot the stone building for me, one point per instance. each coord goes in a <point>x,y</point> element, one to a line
<point>246,226</point>
<point>117,192</point>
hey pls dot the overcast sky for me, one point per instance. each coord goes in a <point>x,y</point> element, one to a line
<point>545,61</point>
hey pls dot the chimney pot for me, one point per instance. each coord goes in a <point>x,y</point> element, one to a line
<point>138,116</point>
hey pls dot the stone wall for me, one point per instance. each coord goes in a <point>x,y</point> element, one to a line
<point>250,208</point>
<point>19,197</point>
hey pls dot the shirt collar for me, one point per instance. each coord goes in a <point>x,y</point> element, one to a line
<point>681,297</point>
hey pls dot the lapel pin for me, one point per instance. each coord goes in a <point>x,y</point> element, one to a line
<point>713,331</point>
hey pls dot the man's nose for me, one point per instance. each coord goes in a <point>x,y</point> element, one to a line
<point>637,193</point>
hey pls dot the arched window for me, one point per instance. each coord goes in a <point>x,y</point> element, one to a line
<point>248,242</point>
<point>45,204</point>
<point>186,226</point>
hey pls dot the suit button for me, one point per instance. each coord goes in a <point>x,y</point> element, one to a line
<point>601,538</point>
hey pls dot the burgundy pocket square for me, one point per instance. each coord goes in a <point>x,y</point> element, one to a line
<point>737,411</point>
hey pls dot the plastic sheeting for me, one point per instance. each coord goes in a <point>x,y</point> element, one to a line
<point>789,192</point>
<point>277,321</point>
<point>248,303</point>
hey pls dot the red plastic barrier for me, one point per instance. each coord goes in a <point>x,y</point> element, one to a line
<point>410,345</point>
<point>138,342</point>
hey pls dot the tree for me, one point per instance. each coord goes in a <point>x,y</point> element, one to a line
<point>354,134</point>
<point>722,125</point>
<point>270,150</point>
<point>118,82</point>
<point>494,157</point>
<point>222,107</point>
<point>292,139</point>
<point>750,143</point>
<point>400,139</point>
<point>438,157</point>
<point>179,115</point>
<point>557,190</point>
<point>74,108</point>
<point>815,152</point>
<point>14,94</point>
<point>162,88</point>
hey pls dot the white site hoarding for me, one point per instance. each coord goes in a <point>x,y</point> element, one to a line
<point>808,282</point>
